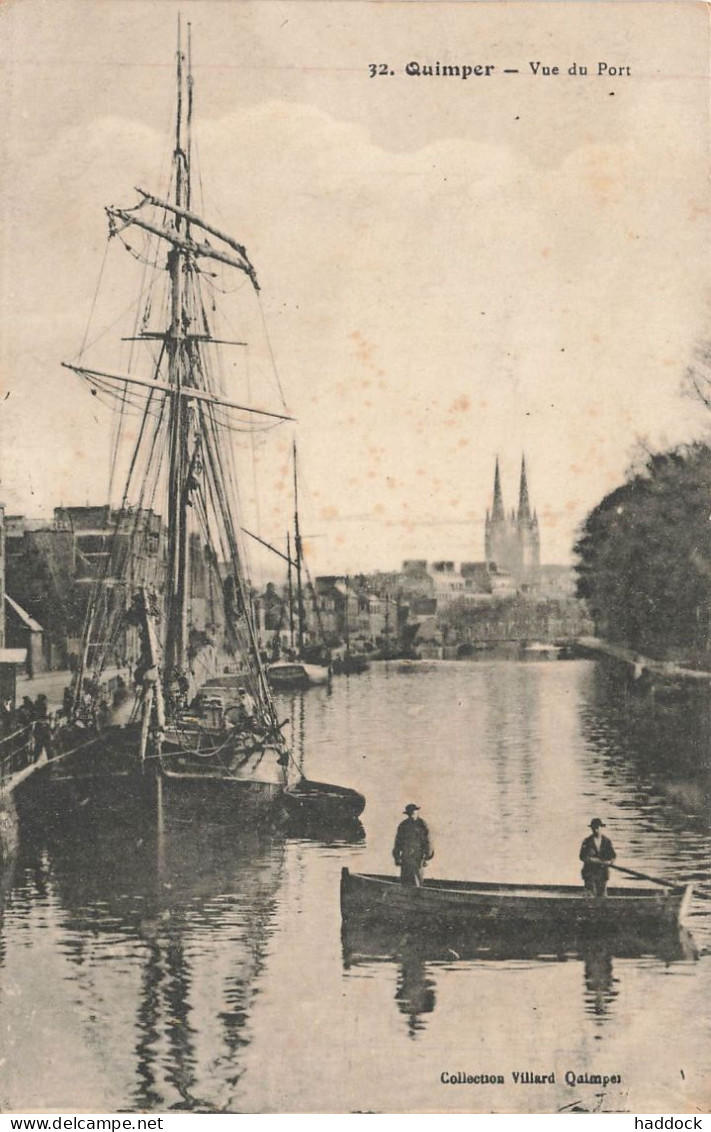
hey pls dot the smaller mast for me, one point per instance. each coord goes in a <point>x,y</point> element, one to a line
<point>386,630</point>
<point>347,622</point>
<point>188,126</point>
<point>300,613</point>
<point>290,591</point>
<point>177,580</point>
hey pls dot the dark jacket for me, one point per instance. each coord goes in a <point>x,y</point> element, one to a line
<point>412,843</point>
<point>589,850</point>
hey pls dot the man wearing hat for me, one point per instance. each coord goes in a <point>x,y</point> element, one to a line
<point>596,853</point>
<point>412,847</point>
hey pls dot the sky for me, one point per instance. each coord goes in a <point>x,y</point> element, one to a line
<point>451,269</point>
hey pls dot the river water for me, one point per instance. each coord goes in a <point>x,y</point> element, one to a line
<point>204,969</point>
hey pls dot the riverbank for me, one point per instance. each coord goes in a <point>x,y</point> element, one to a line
<point>643,665</point>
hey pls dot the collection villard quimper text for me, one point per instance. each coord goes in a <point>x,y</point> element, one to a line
<point>526,1077</point>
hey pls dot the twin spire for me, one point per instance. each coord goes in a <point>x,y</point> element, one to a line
<point>498,512</point>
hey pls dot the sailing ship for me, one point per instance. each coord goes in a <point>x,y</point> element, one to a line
<point>201,721</point>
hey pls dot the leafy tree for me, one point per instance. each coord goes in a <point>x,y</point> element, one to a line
<point>644,555</point>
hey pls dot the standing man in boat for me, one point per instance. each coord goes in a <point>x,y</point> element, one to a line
<point>597,854</point>
<point>413,847</point>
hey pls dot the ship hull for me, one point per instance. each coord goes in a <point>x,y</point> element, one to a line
<point>104,775</point>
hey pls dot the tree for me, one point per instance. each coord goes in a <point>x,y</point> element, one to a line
<point>644,554</point>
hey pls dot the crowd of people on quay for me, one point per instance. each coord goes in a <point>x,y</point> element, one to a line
<point>25,731</point>
<point>30,728</point>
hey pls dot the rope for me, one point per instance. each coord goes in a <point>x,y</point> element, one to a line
<point>105,331</point>
<point>271,352</point>
<point>194,750</point>
<point>96,296</point>
<point>73,750</point>
<point>137,255</point>
<point>216,751</point>
<point>14,734</point>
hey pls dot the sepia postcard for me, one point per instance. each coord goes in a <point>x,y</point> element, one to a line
<point>355,557</point>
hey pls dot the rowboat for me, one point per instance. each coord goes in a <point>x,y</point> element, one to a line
<point>308,801</point>
<point>296,674</point>
<point>449,904</point>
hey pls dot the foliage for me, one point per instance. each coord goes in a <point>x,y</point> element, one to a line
<point>644,555</point>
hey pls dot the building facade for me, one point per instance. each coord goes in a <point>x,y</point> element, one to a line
<point>53,567</point>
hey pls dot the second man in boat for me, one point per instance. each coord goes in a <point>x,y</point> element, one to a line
<point>597,854</point>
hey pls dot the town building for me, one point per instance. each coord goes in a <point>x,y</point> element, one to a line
<point>54,565</point>
<point>11,659</point>
<point>349,608</point>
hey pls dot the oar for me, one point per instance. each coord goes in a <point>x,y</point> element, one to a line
<point>655,880</point>
<point>642,876</point>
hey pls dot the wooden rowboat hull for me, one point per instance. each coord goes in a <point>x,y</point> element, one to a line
<point>451,905</point>
<point>283,674</point>
<point>311,801</point>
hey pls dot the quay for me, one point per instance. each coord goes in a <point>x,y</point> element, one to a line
<point>49,684</point>
<point>642,665</point>
<point>15,767</point>
<point>19,758</point>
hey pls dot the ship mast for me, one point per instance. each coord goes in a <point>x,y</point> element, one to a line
<point>291,591</point>
<point>179,265</point>
<point>193,449</point>
<point>300,611</point>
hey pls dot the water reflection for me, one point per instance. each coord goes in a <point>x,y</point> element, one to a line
<point>300,827</point>
<point>512,732</point>
<point>153,973</point>
<point>415,994</point>
<point>7,875</point>
<point>295,704</point>
<point>657,752</point>
<point>600,983</point>
<point>419,955</point>
<point>671,738</point>
<point>183,921</point>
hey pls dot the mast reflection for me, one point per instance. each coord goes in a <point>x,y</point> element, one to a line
<point>172,927</point>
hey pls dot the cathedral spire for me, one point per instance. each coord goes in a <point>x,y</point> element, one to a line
<point>497,511</point>
<point>524,505</point>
